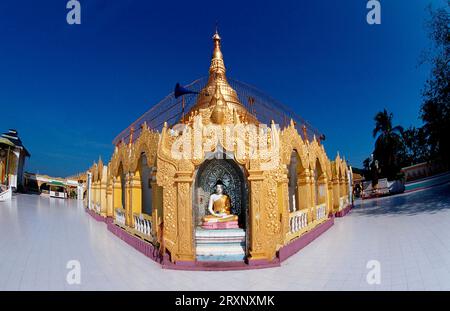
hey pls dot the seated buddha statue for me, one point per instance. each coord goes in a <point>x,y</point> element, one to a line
<point>219,206</point>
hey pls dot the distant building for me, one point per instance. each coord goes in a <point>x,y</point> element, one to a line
<point>12,159</point>
<point>69,187</point>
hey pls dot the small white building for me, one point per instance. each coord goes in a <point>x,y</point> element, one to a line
<point>12,160</point>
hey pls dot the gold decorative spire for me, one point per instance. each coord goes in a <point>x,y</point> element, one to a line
<point>218,84</point>
<point>217,67</point>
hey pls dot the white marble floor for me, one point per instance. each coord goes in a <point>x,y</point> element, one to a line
<point>408,235</point>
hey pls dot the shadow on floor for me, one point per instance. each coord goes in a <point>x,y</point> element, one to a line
<point>427,201</point>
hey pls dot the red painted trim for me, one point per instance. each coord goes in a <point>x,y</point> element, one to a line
<point>95,215</point>
<point>294,246</point>
<point>140,245</point>
<point>153,253</point>
<point>218,265</point>
<point>344,211</point>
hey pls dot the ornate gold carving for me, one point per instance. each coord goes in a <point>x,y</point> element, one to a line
<point>256,217</point>
<point>120,157</point>
<point>185,224</point>
<point>217,80</point>
<point>218,105</point>
<point>146,143</point>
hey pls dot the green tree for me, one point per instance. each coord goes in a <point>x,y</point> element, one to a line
<point>388,144</point>
<point>417,149</point>
<point>435,110</point>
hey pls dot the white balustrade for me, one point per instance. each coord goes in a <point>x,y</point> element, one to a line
<point>343,201</point>
<point>120,216</point>
<point>143,224</point>
<point>320,211</point>
<point>297,221</point>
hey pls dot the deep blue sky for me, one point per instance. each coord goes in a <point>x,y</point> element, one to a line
<point>70,89</point>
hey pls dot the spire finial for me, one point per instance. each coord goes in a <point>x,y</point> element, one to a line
<point>217,68</point>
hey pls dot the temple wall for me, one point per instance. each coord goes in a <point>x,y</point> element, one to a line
<point>272,225</point>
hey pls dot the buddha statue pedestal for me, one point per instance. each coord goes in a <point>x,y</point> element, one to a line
<point>220,225</point>
<point>220,245</point>
<point>224,222</point>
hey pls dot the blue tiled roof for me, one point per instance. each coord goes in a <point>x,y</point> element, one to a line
<point>13,137</point>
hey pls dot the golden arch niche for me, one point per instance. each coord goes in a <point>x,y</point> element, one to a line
<point>235,186</point>
<point>234,241</point>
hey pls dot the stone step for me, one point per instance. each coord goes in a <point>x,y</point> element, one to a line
<point>220,245</point>
<point>219,249</point>
<point>200,232</point>
<point>221,258</point>
<point>220,241</point>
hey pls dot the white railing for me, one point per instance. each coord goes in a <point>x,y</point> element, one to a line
<point>120,216</point>
<point>297,221</point>
<point>143,223</point>
<point>321,211</point>
<point>5,194</point>
<point>343,202</point>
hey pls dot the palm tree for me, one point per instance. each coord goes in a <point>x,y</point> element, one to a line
<point>388,144</point>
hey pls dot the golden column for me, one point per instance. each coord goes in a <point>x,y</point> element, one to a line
<point>313,201</point>
<point>323,198</point>
<point>117,192</point>
<point>322,184</point>
<point>103,195</point>
<point>303,190</point>
<point>256,248</point>
<point>342,187</point>
<point>183,182</point>
<point>135,203</point>
<point>284,202</point>
<point>128,200</point>
<point>310,197</point>
<point>330,207</point>
<point>157,206</point>
<point>335,194</point>
<point>109,200</point>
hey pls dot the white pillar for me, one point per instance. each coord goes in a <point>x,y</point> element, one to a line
<point>89,184</point>
<point>80,192</point>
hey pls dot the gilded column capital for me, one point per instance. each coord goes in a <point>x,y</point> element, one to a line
<point>184,176</point>
<point>255,175</point>
<point>109,189</point>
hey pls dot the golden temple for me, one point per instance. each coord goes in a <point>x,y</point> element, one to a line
<point>156,187</point>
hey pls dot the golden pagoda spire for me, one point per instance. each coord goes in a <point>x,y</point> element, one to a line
<point>218,85</point>
<point>217,79</point>
<point>217,67</point>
